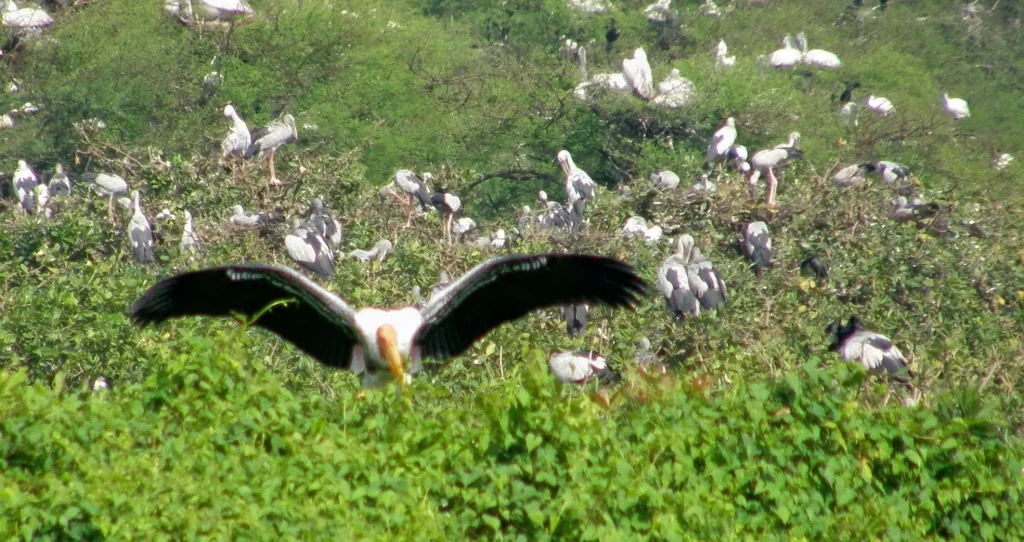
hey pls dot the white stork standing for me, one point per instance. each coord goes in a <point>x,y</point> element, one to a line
<point>878,105</point>
<point>25,20</point>
<point>721,142</point>
<point>578,184</point>
<point>580,367</point>
<point>266,141</point>
<point>637,72</point>
<point>60,185</point>
<point>955,107</point>
<point>237,142</point>
<point>786,58</point>
<point>412,187</point>
<point>140,233</point>
<point>764,163</point>
<point>310,250</point>
<point>817,58</point>
<point>378,252</point>
<point>757,246</point>
<point>875,352</point>
<point>448,204</point>
<point>381,343</point>
<point>25,182</point>
<point>721,59</point>
<point>190,242</point>
<point>109,185</point>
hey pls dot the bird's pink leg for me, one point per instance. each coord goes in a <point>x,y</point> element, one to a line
<point>772,184</point>
<point>273,176</point>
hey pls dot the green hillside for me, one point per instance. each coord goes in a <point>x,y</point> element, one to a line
<point>757,432</point>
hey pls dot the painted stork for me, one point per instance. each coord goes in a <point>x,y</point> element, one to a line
<point>190,242</point>
<point>322,222</point>
<point>578,184</point>
<point>382,343</point>
<point>757,246</point>
<point>955,107</point>
<point>689,282</point>
<point>581,367</point>
<point>448,204</point>
<point>310,250</point>
<point>140,233</point>
<point>786,58</point>
<point>25,20</point>
<point>109,185</point>
<point>237,142</point>
<point>25,182</point>
<point>378,252</point>
<point>851,175</point>
<point>267,140</point>
<point>721,59</point>
<point>248,220</point>
<point>411,187</point>
<point>575,317</point>
<point>637,72</point>
<point>704,185</point>
<point>674,92</point>
<point>890,172</point>
<point>764,163</point>
<point>721,142</point>
<point>878,105</point>
<point>817,58</point>
<point>665,179</point>
<point>60,185</point>
<point>875,352</point>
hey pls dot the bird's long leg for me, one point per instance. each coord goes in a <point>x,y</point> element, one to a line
<point>110,209</point>
<point>772,184</point>
<point>448,229</point>
<point>273,176</point>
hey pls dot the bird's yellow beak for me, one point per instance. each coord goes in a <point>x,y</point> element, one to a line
<point>387,343</point>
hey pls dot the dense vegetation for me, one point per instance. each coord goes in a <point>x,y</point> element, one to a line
<point>758,431</point>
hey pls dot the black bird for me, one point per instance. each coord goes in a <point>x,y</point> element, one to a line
<point>575,318</point>
<point>611,36</point>
<point>847,94</point>
<point>874,351</point>
<point>320,220</point>
<point>375,341</point>
<point>813,266</point>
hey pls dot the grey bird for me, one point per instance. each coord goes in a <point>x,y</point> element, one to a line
<point>689,282</point>
<point>109,185</point>
<point>267,140</point>
<point>140,233</point>
<point>378,252</point>
<point>575,318</point>
<point>757,246</point>
<point>310,250</point>
<point>874,351</point>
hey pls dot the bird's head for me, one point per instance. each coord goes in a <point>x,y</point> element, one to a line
<point>564,161</point>
<point>387,345</point>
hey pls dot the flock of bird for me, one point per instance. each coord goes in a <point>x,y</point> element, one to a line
<point>383,344</point>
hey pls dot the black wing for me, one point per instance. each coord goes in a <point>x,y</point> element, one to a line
<point>316,321</point>
<point>505,289</point>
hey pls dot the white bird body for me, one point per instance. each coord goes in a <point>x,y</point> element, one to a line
<point>498,239</point>
<point>378,252</point>
<point>238,139</point>
<point>579,367</point>
<point>1002,161</point>
<point>665,179</point>
<point>25,182</point>
<point>818,58</point>
<point>689,282</point>
<point>140,233</point>
<point>224,10</point>
<point>637,72</point>
<point>674,92</point>
<point>635,226</point>
<point>60,185</point>
<point>310,250</point>
<point>42,197</point>
<point>874,351</point>
<point>189,240</point>
<point>659,12</point>
<point>246,220</point>
<point>955,107</point>
<point>375,341</point>
<point>721,57</point>
<point>464,226</point>
<point>787,57</point>
<point>653,235</point>
<point>25,19</point>
<point>849,114</point>
<point>578,184</point>
<point>721,142</point>
<point>737,155</point>
<point>765,162</point>
<point>849,176</point>
<point>891,172</point>
<point>878,105</point>
<point>704,185</point>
